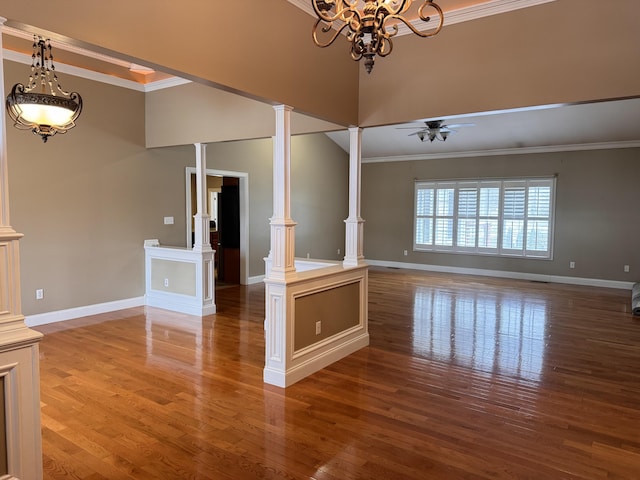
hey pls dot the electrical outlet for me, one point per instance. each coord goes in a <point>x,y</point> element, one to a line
<point>166,282</point>
<point>168,220</point>
<point>572,264</point>
<point>626,269</point>
<point>318,328</point>
<point>39,294</point>
<point>406,253</point>
<point>338,251</point>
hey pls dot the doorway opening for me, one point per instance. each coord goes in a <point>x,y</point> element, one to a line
<point>228,208</point>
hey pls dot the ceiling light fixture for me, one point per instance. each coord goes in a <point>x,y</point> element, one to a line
<point>49,111</point>
<point>370,30</point>
<point>434,131</point>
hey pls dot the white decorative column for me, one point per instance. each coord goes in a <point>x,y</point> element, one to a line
<point>202,240</point>
<point>281,262</point>
<point>282,225</point>
<point>354,224</point>
<point>19,352</point>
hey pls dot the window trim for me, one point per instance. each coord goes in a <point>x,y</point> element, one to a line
<point>478,183</point>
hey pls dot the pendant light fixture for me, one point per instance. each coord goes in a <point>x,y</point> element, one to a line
<point>41,105</point>
<point>371,28</point>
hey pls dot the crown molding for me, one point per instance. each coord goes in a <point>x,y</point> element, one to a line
<point>67,47</point>
<point>474,12</point>
<point>505,151</point>
<point>88,74</point>
<point>100,77</point>
<point>166,83</point>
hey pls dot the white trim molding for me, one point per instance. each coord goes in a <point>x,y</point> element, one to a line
<point>474,12</point>
<point>189,284</point>
<point>85,311</point>
<point>284,364</point>
<point>101,77</point>
<point>505,151</point>
<point>243,178</point>
<point>534,277</point>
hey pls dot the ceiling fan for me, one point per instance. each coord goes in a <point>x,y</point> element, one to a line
<point>437,130</point>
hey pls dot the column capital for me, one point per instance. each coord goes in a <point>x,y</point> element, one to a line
<point>282,107</point>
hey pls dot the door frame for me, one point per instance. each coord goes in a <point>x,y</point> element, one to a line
<point>244,214</point>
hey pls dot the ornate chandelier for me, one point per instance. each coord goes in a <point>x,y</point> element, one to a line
<point>370,30</point>
<point>49,111</point>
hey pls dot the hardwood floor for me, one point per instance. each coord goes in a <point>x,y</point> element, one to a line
<point>465,378</point>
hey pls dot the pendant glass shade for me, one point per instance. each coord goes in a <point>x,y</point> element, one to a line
<point>47,113</point>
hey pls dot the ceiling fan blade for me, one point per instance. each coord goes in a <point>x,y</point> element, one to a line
<point>459,125</point>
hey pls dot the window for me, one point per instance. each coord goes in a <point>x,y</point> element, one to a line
<point>497,217</point>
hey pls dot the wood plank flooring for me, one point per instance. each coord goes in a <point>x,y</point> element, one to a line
<point>465,378</point>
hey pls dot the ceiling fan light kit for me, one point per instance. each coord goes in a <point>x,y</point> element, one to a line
<point>371,29</point>
<point>50,110</point>
<point>437,130</point>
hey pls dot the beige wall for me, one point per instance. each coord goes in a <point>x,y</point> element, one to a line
<point>562,51</point>
<point>261,48</point>
<point>87,200</point>
<point>195,113</point>
<point>337,310</point>
<point>180,276</point>
<point>596,211</point>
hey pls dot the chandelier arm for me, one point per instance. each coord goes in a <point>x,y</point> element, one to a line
<point>426,18</point>
<point>75,96</point>
<point>430,33</point>
<point>382,31</point>
<point>402,7</point>
<point>385,47</point>
<point>347,6</point>
<point>356,55</point>
<point>340,10</point>
<point>326,28</point>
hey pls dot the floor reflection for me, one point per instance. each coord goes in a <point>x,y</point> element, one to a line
<point>167,336</point>
<point>493,332</point>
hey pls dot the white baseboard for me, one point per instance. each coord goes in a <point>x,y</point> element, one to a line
<point>71,313</point>
<point>317,362</point>
<point>179,303</point>
<point>256,279</point>
<point>591,282</point>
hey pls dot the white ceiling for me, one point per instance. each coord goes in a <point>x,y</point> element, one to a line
<point>613,124</point>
